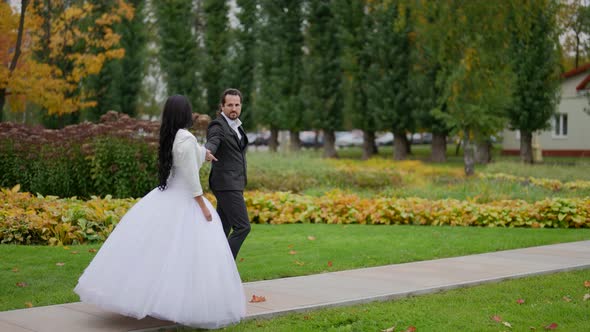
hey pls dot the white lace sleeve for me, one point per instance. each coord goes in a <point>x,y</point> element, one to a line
<point>189,164</point>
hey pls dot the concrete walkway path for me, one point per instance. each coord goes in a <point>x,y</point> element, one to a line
<point>330,289</point>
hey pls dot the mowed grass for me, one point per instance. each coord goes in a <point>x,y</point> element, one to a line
<point>550,299</point>
<point>307,173</point>
<point>276,251</point>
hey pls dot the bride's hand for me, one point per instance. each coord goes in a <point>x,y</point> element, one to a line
<point>207,214</point>
<point>204,208</point>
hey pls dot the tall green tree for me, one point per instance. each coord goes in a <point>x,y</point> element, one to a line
<point>118,85</point>
<point>243,59</point>
<point>216,40</point>
<point>178,51</point>
<point>390,95</point>
<point>425,15</point>
<point>323,79</point>
<point>534,47</point>
<point>356,54</point>
<point>279,77</point>
<point>474,79</point>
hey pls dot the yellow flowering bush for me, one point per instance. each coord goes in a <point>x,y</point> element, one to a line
<point>30,219</point>
<point>551,184</point>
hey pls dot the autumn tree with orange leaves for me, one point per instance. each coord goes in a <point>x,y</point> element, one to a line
<point>48,47</point>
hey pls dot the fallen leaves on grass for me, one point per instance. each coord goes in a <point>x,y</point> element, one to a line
<point>21,284</point>
<point>391,329</point>
<point>15,270</point>
<point>496,318</point>
<point>411,329</point>
<point>299,263</point>
<point>292,252</point>
<point>256,299</point>
<point>586,297</point>
<point>92,250</point>
<point>551,326</point>
<point>60,264</point>
<point>28,304</point>
<point>507,324</point>
<point>520,301</point>
<point>567,298</point>
<point>242,259</point>
<point>311,238</point>
<point>74,252</point>
<point>587,283</point>
<point>329,263</point>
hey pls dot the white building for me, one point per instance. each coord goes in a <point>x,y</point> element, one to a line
<point>570,128</point>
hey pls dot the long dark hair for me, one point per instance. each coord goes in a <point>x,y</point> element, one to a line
<point>177,115</point>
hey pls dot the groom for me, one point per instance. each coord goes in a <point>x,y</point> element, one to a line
<point>227,140</point>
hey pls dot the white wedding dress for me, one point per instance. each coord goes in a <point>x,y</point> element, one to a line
<point>164,259</point>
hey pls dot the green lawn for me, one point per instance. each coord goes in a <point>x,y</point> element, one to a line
<point>275,251</point>
<point>556,298</point>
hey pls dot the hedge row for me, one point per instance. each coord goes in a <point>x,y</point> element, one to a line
<point>117,156</point>
<point>29,219</point>
<point>551,184</point>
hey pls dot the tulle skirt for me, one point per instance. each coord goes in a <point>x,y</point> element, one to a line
<point>165,260</point>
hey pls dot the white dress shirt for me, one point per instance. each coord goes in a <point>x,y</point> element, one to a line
<point>188,157</point>
<point>234,124</point>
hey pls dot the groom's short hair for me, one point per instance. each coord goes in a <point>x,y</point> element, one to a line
<point>230,91</point>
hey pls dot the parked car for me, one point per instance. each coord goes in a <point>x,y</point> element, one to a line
<point>308,139</point>
<point>258,138</point>
<point>384,139</point>
<point>349,138</point>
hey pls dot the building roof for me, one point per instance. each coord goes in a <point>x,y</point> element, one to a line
<point>576,71</point>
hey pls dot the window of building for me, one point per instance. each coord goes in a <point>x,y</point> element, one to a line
<point>560,125</point>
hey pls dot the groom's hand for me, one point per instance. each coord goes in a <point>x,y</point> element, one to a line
<point>209,156</point>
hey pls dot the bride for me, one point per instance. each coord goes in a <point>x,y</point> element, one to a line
<point>168,256</point>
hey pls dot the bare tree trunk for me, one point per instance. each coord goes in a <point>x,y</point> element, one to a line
<point>468,152</point>
<point>316,140</point>
<point>273,142</point>
<point>483,152</point>
<point>294,141</point>
<point>439,148</point>
<point>526,147</point>
<point>400,146</point>
<point>17,52</point>
<point>369,146</point>
<point>329,144</point>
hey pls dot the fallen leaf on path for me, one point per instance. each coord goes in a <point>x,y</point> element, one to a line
<point>28,304</point>
<point>329,263</point>
<point>60,264</point>
<point>292,252</point>
<point>311,238</point>
<point>586,297</point>
<point>551,326</point>
<point>587,283</point>
<point>299,263</point>
<point>256,299</point>
<point>15,270</point>
<point>497,318</point>
<point>21,284</point>
<point>567,298</point>
<point>520,301</point>
<point>391,329</point>
<point>91,250</point>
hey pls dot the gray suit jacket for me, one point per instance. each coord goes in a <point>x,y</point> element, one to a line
<point>229,171</point>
